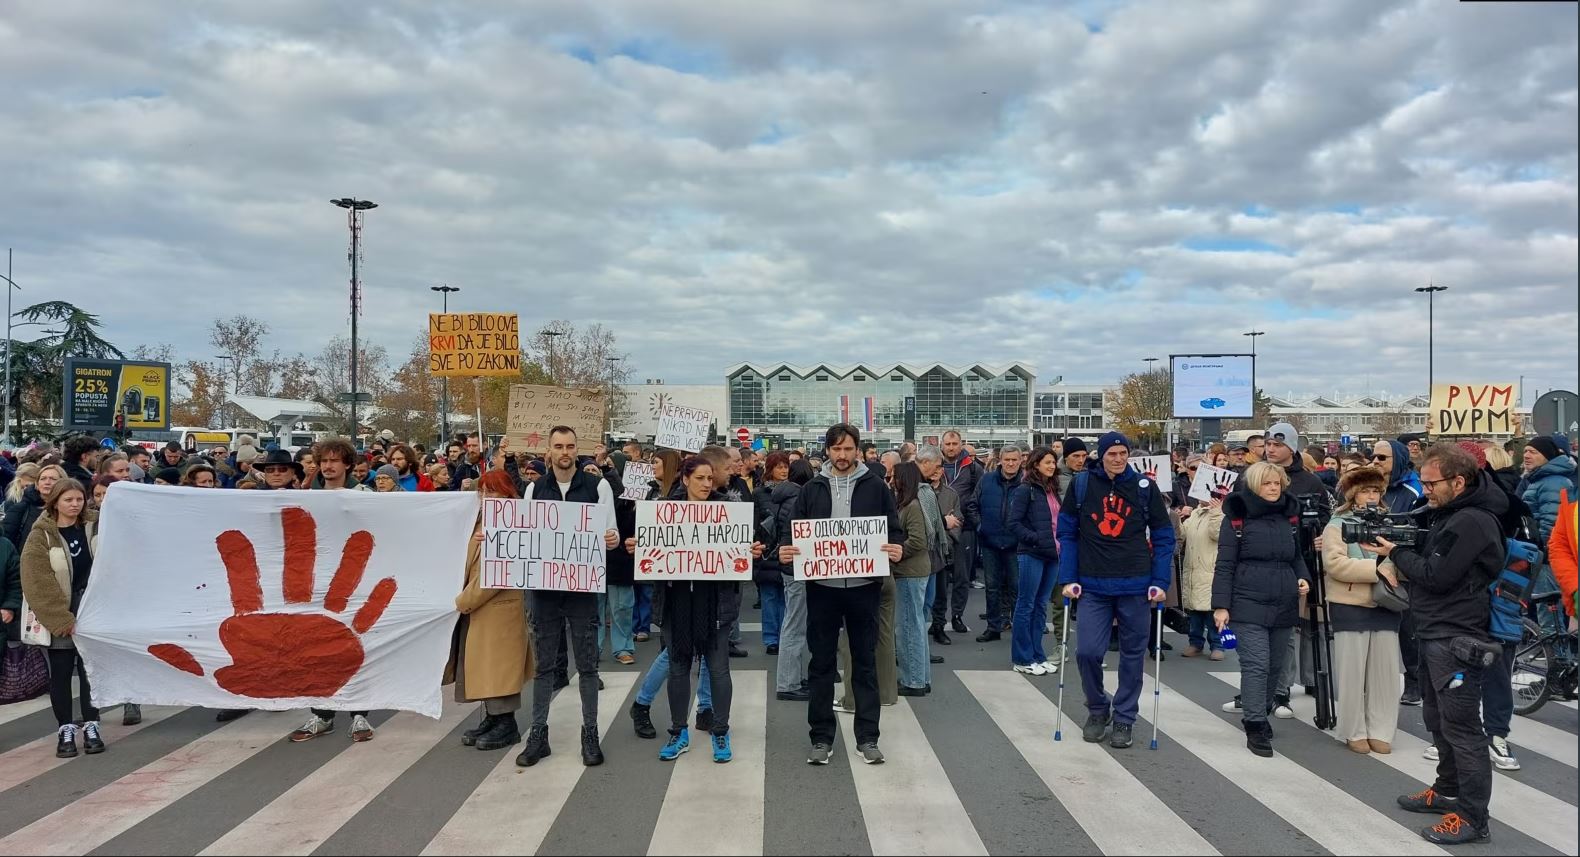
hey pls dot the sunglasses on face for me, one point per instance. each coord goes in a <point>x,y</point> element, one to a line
<point>1381,457</point>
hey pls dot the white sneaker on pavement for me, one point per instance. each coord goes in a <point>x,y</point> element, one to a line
<point>1283,712</point>
<point>1050,668</point>
<point>314,727</point>
<point>1430,753</point>
<point>1502,758</point>
<point>1030,669</point>
<point>361,729</point>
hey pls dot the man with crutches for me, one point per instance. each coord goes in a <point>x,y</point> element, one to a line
<point>1116,548</point>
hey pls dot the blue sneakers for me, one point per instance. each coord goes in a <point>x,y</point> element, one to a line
<point>677,744</point>
<point>721,748</point>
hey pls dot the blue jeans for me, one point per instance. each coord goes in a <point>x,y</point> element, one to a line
<point>1097,613</point>
<point>999,566</point>
<point>642,612</point>
<point>658,675</point>
<point>773,595</point>
<point>932,592</point>
<point>616,604</point>
<point>1037,576</point>
<point>910,631</point>
<point>1203,631</point>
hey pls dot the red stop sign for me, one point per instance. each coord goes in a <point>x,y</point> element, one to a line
<point>743,434</point>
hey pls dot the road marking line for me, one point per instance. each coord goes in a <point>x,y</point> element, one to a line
<point>691,803</point>
<point>22,709</point>
<point>35,758</point>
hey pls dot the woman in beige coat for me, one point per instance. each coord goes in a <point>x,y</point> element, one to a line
<point>491,652</point>
<point>1366,661</point>
<point>1200,530</point>
<point>56,563</point>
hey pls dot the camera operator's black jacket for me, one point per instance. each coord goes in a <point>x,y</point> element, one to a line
<point>1461,555</point>
<point>1259,564</point>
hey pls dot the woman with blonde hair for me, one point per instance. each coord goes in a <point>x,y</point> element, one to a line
<point>20,517</point>
<point>26,476</point>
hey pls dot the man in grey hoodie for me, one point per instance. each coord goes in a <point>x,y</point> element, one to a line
<point>845,488</point>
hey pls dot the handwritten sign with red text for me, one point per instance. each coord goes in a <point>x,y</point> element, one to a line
<point>693,541</point>
<point>1473,409</point>
<point>840,547</point>
<point>543,544</point>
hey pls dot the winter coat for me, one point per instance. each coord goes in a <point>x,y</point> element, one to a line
<point>778,502</point>
<point>21,516</point>
<point>1404,486</point>
<point>993,497</point>
<point>1563,551</point>
<point>869,498</point>
<point>498,657</point>
<point>1462,554</point>
<point>949,503</point>
<point>1111,544</point>
<point>620,568</point>
<point>1349,572</point>
<point>1034,522</point>
<point>1259,563</point>
<point>1543,491</point>
<point>915,561</point>
<point>963,474</point>
<point>11,589</point>
<point>47,574</point>
<point>1200,532</point>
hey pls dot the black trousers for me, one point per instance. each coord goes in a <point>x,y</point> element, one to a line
<point>62,664</point>
<point>1453,716</point>
<point>1409,652</point>
<point>957,588</point>
<point>828,608</point>
<point>551,612</point>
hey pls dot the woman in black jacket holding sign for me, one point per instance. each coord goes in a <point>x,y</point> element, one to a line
<point>1258,583</point>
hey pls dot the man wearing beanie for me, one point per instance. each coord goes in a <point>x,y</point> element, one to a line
<point>1071,462</point>
<point>1548,473</point>
<point>1108,560</point>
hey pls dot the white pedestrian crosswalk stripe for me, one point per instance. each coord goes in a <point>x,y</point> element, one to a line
<point>1516,804</point>
<point>915,804</point>
<point>15,710</point>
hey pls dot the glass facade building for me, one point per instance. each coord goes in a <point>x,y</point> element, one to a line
<point>986,403</point>
<point>1063,410</point>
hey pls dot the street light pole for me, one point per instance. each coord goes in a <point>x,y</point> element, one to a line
<point>444,403</point>
<point>5,430</point>
<point>354,208</point>
<point>1431,292</point>
<point>1150,368</point>
<point>611,361</point>
<point>1254,334</point>
<point>552,335</point>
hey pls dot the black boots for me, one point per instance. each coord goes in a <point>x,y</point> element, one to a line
<point>1259,738</point>
<point>592,754</point>
<point>469,737</point>
<point>938,635</point>
<point>642,720</point>
<point>504,733</point>
<point>537,748</point>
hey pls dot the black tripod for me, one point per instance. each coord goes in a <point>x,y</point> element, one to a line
<point>1318,629</point>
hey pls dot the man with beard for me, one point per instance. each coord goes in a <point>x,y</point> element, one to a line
<point>961,473</point>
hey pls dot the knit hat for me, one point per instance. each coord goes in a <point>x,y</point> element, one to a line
<point>1194,458</point>
<point>537,467</point>
<point>1109,441</point>
<point>388,470</point>
<point>170,475</point>
<point>1562,442</point>
<point>1476,451</point>
<point>1073,445</point>
<point>1285,434</point>
<point>1545,446</point>
<point>1363,477</point>
<point>246,452</point>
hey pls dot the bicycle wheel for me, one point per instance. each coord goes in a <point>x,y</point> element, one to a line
<point>1533,662</point>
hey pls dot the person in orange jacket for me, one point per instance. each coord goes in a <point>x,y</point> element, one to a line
<point>1563,551</point>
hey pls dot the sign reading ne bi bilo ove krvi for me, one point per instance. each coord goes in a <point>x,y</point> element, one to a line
<point>473,344</point>
<point>97,390</point>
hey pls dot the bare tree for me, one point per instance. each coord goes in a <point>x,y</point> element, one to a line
<point>241,337</point>
<point>164,352</point>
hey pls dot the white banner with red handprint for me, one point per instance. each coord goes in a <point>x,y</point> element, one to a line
<point>1158,468</point>
<point>274,599</point>
<point>1212,483</point>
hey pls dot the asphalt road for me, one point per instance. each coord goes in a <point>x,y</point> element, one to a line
<point>972,769</point>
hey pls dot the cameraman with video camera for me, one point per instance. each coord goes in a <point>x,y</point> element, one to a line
<point>1462,553</point>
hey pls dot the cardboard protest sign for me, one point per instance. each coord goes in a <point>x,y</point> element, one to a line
<point>274,599</point>
<point>473,344</point>
<point>1158,468</point>
<point>1212,483</point>
<point>678,540</point>
<point>1473,409</point>
<point>840,547</point>
<point>534,409</point>
<point>683,428</point>
<point>543,544</point>
<point>637,475</point>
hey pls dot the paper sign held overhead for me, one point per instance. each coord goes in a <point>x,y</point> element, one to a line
<point>683,428</point>
<point>637,475</point>
<point>473,344</point>
<point>1473,409</point>
<point>543,544</point>
<point>534,409</point>
<point>840,547</point>
<point>1158,468</point>
<point>1212,483</point>
<point>693,541</point>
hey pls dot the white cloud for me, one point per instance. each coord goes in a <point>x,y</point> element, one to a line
<point>1073,186</point>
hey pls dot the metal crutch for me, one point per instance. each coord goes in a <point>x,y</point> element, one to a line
<point>1157,678</point>
<point>1064,649</point>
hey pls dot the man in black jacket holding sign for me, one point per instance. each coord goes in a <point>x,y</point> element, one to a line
<point>845,488</point>
<point>1448,576</point>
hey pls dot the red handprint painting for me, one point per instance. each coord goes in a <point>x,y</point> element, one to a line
<point>1111,519</point>
<point>279,655</point>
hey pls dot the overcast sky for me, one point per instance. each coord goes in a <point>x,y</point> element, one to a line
<point>1075,186</point>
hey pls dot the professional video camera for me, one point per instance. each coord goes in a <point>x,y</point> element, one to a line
<point>1371,523</point>
<point>1314,511</point>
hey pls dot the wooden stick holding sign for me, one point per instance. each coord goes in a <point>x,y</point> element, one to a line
<point>678,540</point>
<point>543,544</point>
<point>829,548</point>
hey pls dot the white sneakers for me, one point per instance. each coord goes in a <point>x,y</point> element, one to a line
<point>1283,712</point>
<point>314,727</point>
<point>1502,759</point>
<point>1232,706</point>
<point>1430,753</point>
<point>1050,668</point>
<point>1031,669</point>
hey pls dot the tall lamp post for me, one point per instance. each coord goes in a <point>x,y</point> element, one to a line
<point>444,403</point>
<point>1431,292</point>
<point>1151,365</point>
<point>1254,334</point>
<point>552,335</point>
<point>354,209</point>
<point>612,361</point>
<point>5,429</point>
<point>237,364</point>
